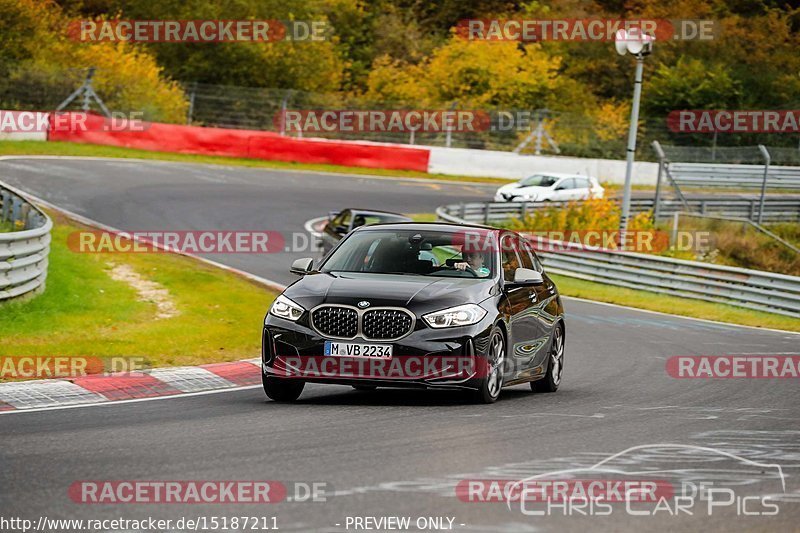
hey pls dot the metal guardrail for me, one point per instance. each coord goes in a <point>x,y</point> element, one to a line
<point>23,250</point>
<point>786,209</point>
<point>738,176</point>
<point>719,174</point>
<point>752,289</point>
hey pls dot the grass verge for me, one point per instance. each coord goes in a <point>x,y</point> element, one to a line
<point>94,150</point>
<point>84,312</point>
<point>672,304</point>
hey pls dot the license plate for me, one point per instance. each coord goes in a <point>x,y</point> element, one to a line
<point>355,349</point>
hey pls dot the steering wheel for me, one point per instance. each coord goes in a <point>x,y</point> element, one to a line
<point>470,270</point>
<point>452,268</point>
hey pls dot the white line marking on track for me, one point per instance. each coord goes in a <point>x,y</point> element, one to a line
<point>134,400</point>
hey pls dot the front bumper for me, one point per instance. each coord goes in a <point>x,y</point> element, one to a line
<point>427,358</point>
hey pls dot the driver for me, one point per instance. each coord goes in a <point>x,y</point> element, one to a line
<point>473,260</point>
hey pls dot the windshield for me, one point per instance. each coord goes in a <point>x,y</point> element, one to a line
<point>462,254</point>
<point>538,180</point>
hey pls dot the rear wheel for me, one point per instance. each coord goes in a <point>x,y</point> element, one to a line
<point>490,385</point>
<point>555,365</point>
<point>282,390</point>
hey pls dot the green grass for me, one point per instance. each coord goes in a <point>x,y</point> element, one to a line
<point>600,292</point>
<point>5,226</point>
<point>84,312</point>
<point>424,217</point>
<point>93,150</point>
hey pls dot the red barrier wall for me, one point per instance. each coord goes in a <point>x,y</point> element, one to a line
<point>240,143</point>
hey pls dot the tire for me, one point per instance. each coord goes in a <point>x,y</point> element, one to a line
<point>489,386</point>
<point>555,365</point>
<point>282,390</point>
<point>365,388</point>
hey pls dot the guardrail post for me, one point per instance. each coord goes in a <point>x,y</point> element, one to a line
<point>675,222</point>
<point>523,211</point>
<point>462,211</point>
<point>486,213</point>
<point>767,159</point>
<point>16,205</point>
<point>6,204</point>
<point>661,157</point>
<point>24,212</point>
<point>702,207</point>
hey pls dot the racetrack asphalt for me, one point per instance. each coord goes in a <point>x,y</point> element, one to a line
<point>400,453</point>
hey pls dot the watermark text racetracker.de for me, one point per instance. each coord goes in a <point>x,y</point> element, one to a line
<point>198,31</point>
<point>585,29</point>
<point>191,241</point>
<point>734,121</point>
<point>70,366</point>
<point>71,121</point>
<point>743,366</point>
<point>310,121</point>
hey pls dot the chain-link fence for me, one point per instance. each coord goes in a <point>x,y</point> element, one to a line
<point>738,155</point>
<point>525,130</point>
<point>528,131</point>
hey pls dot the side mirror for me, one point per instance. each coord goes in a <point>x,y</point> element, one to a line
<point>303,266</point>
<point>526,276</point>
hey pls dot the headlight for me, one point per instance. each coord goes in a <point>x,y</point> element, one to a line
<point>463,315</point>
<point>283,307</point>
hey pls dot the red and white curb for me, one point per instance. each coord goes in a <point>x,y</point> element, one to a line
<point>99,389</point>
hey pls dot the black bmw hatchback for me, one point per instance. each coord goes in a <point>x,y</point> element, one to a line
<point>418,305</point>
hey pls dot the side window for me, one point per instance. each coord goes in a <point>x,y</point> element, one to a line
<point>509,256</point>
<point>527,250</point>
<point>342,219</point>
<point>525,255</point>
<point>583,183</point>
<point>346,217</point>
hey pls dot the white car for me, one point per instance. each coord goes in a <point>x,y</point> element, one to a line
<point>550,187</point>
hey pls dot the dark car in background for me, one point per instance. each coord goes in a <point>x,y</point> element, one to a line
<point>481,316</point>
<point>340,223</point>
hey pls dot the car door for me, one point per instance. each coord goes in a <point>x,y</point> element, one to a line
<point>546,309</point>
<point>523,324</point>
<point>335,230</point>
<point>563,190</point>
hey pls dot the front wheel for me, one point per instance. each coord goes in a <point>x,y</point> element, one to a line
<point>282,390</point>
<point>490,385</point>
<point>555,365</point>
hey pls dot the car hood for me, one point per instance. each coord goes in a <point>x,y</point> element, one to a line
<point>420,294</point>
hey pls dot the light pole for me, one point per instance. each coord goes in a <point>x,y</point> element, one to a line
<point>638,44</point>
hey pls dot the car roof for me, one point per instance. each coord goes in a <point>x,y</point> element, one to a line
<point>556,175</point>
<point>421,226</point>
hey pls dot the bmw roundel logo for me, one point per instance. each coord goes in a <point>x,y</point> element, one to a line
<point>363,304</point>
